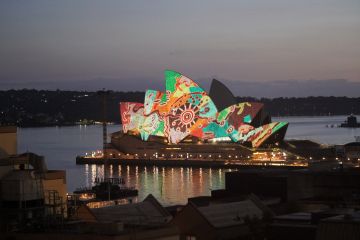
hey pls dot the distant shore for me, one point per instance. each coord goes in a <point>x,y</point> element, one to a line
<point>40,125</point>
<point>40,108</point>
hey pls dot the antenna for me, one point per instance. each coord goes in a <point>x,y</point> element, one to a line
<point>103,94</point>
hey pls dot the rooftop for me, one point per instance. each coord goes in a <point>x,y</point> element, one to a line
<point>230,214</point>
<point>148,212</point>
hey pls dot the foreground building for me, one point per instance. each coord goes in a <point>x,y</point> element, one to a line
<point>146,220</point>
<point>184,120</point>
<point>143,220</point>
<point>226,220</point>
<point>332,187</point>
<point>30,194</point>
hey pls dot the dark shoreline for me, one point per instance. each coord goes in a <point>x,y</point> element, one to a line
<point>118,123</point>
<point>40,108</point>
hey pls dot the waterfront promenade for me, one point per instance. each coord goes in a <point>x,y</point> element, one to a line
<point>178,162</point>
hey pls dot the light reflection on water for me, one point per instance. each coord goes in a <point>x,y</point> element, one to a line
<point>168,184</point>
<point>61,145</point>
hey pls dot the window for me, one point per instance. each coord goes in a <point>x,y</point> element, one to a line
<point>190,237</point>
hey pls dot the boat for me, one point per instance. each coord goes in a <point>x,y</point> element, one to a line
<point>351,122</point>
<point>108,189</point>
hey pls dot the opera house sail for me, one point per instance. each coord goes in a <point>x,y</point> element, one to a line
<point>185,118</point>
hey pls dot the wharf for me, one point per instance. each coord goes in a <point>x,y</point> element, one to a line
<point>190,163</point>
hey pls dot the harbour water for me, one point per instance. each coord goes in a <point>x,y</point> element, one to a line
<point>61,145</point>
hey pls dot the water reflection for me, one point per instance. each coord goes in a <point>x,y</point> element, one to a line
<point>60,146</point>
<point>170,185</point>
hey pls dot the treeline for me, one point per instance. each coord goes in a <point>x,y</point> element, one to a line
<point>309,106</point>
<point>47,108</point>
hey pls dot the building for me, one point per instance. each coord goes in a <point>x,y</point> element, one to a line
<point>184,120</point>
<point>338,223</point>
<point>339,187</point>
<point>341,227</point>
<point>149,212</point>
<point>144,220</point>
<point>8,140</point>
<point>352,151</point>
<point>30,194</point>
<point>227,220</point>
<point>306,204</point>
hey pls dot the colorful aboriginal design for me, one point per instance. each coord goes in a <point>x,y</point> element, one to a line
<point>265,131</point>
<point>186,109</point>
<point>242,113</point>
<point>153,125</point>
<point>153,119</point>
<point>132,117</point>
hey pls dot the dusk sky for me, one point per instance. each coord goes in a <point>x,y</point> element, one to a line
<point>259,48</point>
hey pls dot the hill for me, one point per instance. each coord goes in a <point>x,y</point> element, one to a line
<point>47,108</point>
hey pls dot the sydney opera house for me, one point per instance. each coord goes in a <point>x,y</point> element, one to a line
<point>186,122</point>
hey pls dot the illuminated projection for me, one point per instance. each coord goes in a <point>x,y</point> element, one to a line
<point>241,113</point>
<point>265,132</point>
<point>132,117</point>
<point>153,123</point>
<point>185,109</point>
<point>188,107</point>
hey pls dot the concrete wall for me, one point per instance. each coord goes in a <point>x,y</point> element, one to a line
<point>191,223</point>
<point>269,185</point>
<point>341,184</point>
<point>157,234</point>
<point>83,213</point>
<point>8,141</point>
<point>4,170</point>
<point>56,180</point>
<point>292,186</point>
<point>300,186</point>
<point>20,186</point>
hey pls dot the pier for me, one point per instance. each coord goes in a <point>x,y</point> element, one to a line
<point>167,162</point>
